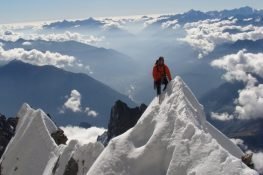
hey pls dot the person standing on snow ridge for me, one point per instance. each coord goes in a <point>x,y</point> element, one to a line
<point>160,74</point>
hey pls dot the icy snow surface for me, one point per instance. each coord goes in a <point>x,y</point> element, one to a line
<point>32,151</point>
<point>171,138</point>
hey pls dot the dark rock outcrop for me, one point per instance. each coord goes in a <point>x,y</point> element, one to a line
<point>7,131</point>
<point>122,118</point>
<point>103,138</point>
<point>247,159</point>
<point>72,167</point>
<point>59,137</point>
<point>56,166</point>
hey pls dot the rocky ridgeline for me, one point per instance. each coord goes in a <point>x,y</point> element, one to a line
<point>7,131</point>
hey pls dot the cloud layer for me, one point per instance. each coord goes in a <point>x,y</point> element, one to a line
<point>205,35</point>
<point>9,35</point>
<point>244,66</point>
<point>36,57</point>
<point>174,24</point>
<point>250,102</point>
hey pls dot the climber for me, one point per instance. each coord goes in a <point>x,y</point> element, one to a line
<point>161,75</point>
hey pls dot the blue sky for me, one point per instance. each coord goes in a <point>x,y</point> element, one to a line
<point>12,11</point>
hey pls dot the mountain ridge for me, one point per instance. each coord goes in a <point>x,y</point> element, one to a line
<point>47,86</point>
<point>170,143</point>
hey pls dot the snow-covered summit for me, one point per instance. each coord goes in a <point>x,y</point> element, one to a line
<point>31,143</point>
<point>172,138</point>
<point>33,151</point>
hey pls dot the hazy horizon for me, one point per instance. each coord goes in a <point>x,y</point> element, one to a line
<point>31,11</point>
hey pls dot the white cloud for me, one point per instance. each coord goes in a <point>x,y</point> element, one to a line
<point>26,43</point>
<point>36,57</point>
<point>88,68</point>
<point>205,35</point>
<point>221,116</point>
<point>90,112</point>
<point>240,143</point>
<point>131,90</point>
<point>152,20</point>
<point>250,102</point>
<point>66,36</point>
<point>22,26</point>
<point>83,135</point>
<point>110,23</point>
<point>242,67</point>
<point>258,161</point>
<point>8,35</point>
<point>168,24</point>
<point>248,19</point>
<point>74,101</point>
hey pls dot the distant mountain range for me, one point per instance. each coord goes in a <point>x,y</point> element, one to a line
<point>100,60</point>
<point>233,48</point>
<point>195,15</point>
<point>90,25</point>
<point>187,17</point>
<point>48,87</point>
<point>90,22</point>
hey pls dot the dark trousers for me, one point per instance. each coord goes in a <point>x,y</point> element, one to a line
<point>158,85</point>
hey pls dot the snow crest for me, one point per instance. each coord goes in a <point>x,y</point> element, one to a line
<point>172,138</point>
<point>33,151</point>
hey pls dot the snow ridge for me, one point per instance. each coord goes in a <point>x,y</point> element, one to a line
<point>32,142</point>
<point>33,151</point>
<point>172,138</point>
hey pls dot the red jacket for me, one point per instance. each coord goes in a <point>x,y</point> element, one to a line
<point>161,71</point>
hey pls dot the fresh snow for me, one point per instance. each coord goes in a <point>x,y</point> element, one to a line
<point>33,151</point>
<point>172,138</point>
<point>31,147</point>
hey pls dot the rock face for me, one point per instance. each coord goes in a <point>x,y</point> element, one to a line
<point>7,131</point>
<point>72,167</point>
<point>247,159</point>
<point>122,118</point>
<point>59,137</point>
